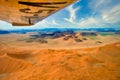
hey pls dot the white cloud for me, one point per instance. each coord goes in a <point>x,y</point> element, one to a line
<point>43,22</point>
<point>104,12</point>
<point>46,23</point>
<point>109,10</point>
<point>54,22</point>
<point>86,22</point>
<point>112,15</point>
<point>99,5</point>
<point>72,11</point>
<point>99,2</point>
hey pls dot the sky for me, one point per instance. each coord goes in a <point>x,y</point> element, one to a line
<point>81,14</point>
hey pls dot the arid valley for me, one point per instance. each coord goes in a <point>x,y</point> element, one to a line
<point>64,56</point>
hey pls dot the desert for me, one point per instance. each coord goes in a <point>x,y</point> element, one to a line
<point>90,58</point>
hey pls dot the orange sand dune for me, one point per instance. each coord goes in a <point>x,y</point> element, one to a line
<point>99,63</point>
<point>9,65</point>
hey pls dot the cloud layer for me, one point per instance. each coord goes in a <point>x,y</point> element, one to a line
<point>72,11</point>
<point>104,12</point>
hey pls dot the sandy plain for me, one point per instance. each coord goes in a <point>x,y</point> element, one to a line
<point>58,60</point>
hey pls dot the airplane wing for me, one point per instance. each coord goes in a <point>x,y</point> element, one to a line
<point>29,12</point>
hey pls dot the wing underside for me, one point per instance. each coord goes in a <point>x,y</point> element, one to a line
<point>29,12</point>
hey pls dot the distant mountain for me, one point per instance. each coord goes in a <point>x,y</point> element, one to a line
<point>54,34</point>
<point>46,30</point>
<point>4,32</point>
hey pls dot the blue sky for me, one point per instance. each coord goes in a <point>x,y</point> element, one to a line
<point>81,14</point>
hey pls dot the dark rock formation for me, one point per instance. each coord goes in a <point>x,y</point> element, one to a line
<point>118,32</point>
<point>29,40</point>
<point>41,41</point>
<point>99,42</point>
<point>58,35</point>
<point>75,36</point>
<point>84,38</point>
<point>69,32</point>
<point>88,33</point>
<point>53,35</point>
<point>66,38</point>
<point>78,40</point>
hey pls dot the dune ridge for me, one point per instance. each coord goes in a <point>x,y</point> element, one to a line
<point>97,63</point>
<point>9,65</point>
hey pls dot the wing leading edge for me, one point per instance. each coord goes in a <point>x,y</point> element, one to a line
<point>26,13</point>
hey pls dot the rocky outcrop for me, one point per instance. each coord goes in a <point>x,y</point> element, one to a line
<point>89,34</point>
<point>117,32</point>
<point>40,40</point>
<point>78,40</point>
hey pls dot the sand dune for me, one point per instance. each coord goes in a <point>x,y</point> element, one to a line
<point>9,65</point>
<point>99,63</point>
